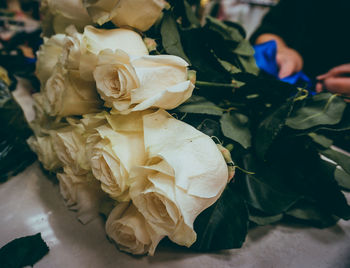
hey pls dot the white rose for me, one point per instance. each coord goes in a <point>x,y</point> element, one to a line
<point>58,15</point>
<point>69,144</point>
<point>43,123</point>
<point>43,147</point>
<point>139,83</point>
<point>67,93</point>
<point>48,56</point>
<point>91,121</point>
<point>95,40</point>
<point>139,14</point>
<point>129,230</point>
<point>70,57</point>
<point>116,153</point>
<point>81,193</point>
<point>115,77</point>
<point>62,48</point>
<point>184,175</point>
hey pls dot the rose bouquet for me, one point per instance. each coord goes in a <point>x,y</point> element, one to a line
<point>101,124</point>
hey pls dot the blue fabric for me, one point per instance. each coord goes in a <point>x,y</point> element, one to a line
<point>265,56</point>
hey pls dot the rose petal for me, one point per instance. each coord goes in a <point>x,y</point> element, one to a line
<point>172,140</point>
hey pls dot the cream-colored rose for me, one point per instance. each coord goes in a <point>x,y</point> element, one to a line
<point>95,40</point>
<point>184,175</point>
<point>69,144</point>
<point>129,230</point>
<point>58,15</point>
<point>43,147</point>
<point>67,93</point>
<point>138,83</point>
<point>90,122</point>
<point>115,77</point>
<point>101,11</point>
<point>81,193</point>
<point>48,56</point>
<point>139,14</point>
<point>43,123</point>
<point>116,153</point>
<point>163,82</point>
<point>70,56</point>
<point>63,49</point>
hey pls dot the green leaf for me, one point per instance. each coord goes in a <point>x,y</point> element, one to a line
<point>343,125</point>
<point>210,128</point>
<point>309,212</point>
<point>321,109</point>
<point>224,225</point>
<point>266,189</point>
<point>229,66</point>
<point>202,58</point>
<point>235,126</point>
<point>267,197</point>
<point>342,178</point>
<point>340,157</point>
<point>244,48</point>
<point>171,38</point>
<point>271,127</point>
<point>249,64</point>
<point>263,219</point>
<point>23,251</point>
<point>191,16</point>
<point>321,140</point>
<point>199,105</point>
<point>227,32</point>
<point>312,176</point>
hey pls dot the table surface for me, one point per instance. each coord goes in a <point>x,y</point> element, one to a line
<point>30,203</point>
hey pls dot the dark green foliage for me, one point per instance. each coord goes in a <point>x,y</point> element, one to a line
<point>224,225</point>
<point>23,251</point>
<point>15,154</point>
<point>277,132</point>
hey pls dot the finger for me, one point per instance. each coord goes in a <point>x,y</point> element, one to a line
<point>286,68</point>
<point>339,85</point>
<point>336,71</point>
<point>319,87</point>
<point>322,76</point>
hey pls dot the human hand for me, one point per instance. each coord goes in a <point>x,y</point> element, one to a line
<point>289,61</point>
<point>336,80</point>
